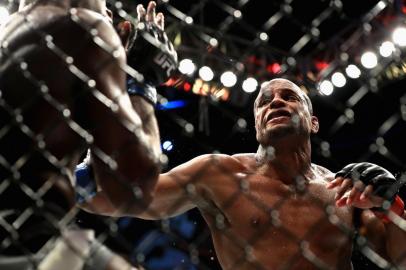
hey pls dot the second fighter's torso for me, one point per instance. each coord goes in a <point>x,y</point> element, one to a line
<point>260,222</point>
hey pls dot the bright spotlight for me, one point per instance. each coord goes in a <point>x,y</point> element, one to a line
<point>386,49</point>
<point>167,145</point>
<point>353,71</point>
<point>237,14</point>
<point>4,14</point>
<point>326,87</point>
<point>228,79</point>
<point>263,36</point>
<point>369,60</point>
<point>206,73</point>
<point>213,42</point>
<point>338,79</point>
<point>186,66</point>
<point>249,85</point>
<point>189,20</point>
<point>399,36</point>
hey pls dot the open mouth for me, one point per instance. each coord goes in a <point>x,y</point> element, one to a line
<point>278,115</point>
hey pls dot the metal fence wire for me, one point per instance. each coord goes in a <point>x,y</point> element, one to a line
<point>363,121</point>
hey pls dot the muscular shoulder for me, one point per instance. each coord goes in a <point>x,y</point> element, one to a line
<point>209,165</point>
<point>206,172</point>
<point>247,159</point>
<point>322,172</point>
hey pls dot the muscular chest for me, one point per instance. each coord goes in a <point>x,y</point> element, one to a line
<point>256,203</point>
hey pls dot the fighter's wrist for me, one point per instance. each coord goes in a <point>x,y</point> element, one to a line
<point>85,187</point>
<point>145,90</point>
<point>396,207</point>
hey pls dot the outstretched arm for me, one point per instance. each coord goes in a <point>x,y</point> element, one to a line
<point>189,185</point>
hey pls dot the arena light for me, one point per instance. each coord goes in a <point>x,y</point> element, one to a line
<point>263,36</point>
<point>206,73</point>
<point>213,42</point>
<point>353,71</point>
<point>173,104</point>
<point>399,36</point>
<point>189,20</point>
<point>205,89</point>
<point>4,14</point>
<point>326,87</point>
<point>228,79</point>
<point>186,66</point>
<point>386,49</point>
<point>369,60</point>
<point>167,146</point>
<point>249,85</point>
<point>338,79</point>
<point>237,14</point>
<point>274,68</point>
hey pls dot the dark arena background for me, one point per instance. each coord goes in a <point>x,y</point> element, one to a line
<point>348,55</point>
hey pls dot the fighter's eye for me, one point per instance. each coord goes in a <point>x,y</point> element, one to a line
<point>291,97</point>
<point>263,102</point>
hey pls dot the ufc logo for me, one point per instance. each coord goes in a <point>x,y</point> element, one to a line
<point>164,61</point>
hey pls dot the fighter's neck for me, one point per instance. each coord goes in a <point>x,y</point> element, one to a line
<point>285,162</point>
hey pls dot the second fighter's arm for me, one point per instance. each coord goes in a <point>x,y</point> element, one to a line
<point>120,141</point>
<point>141,56</point>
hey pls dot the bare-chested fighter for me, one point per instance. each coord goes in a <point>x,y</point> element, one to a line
<point>63,89</point>
<point>274,209</point>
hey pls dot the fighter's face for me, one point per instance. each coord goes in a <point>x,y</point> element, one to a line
<point>281,110</point>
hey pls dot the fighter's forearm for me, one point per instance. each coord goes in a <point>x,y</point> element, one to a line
<point>101,191</point>
<point>149,123</point>
<point>395,239</point>
<point>101,205</point>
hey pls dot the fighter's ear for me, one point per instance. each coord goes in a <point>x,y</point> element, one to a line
<point>315,124</point>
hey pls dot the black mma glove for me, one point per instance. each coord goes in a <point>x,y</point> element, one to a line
<point>152,54</point>
<point>383,182</point>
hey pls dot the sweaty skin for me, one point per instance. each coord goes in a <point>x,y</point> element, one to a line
<point>274,201</point>
<point>272,216</point>
<point>265,209</point>
<point>272,209</point>
<point>260,202</point>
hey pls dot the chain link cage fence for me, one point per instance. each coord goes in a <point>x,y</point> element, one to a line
<point>362,119</point>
